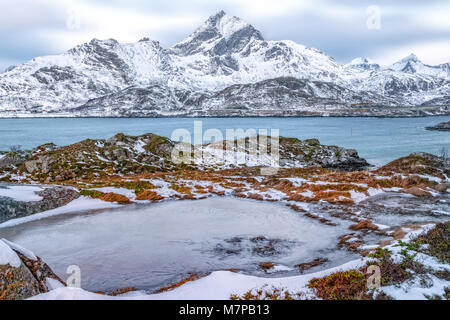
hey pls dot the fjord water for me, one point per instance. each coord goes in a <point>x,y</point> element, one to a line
<point>153,245</point>
<point>379,140</point>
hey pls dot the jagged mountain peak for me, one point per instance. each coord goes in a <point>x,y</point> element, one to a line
<point>413,65</point>
<point>8,69</point>
<point>220,34</point>
<point>411,57</point>
<point>104,42</point>
<point>227,25</point>
<point>361,60</point>
<point>224,52</point>
<point>409,64</point>
<point>363,63</point>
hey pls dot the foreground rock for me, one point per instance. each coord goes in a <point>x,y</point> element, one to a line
<point>22,274</point>
<point>52,198</point>
<point>443,126</point>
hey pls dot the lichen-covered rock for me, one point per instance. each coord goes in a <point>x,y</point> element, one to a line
<point>41,272</point>
<point>42,164</point>
<point>51,198</point>
<point>420,163</point>
<point>22,274</point>
<point>14,158</point>
<point>17,283</point>
<point>295,152</point>
<point>16,280</point>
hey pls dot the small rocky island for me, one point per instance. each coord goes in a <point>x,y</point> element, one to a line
<point>443,126</point>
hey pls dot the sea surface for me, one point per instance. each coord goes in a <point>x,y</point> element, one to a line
<point>379,140</point>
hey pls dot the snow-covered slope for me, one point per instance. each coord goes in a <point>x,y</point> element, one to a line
<point>226,50</point>
<point>87,71</point>
<point>411,64</point>
<point>224,65</point>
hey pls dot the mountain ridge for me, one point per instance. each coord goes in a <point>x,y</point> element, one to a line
<point>224,52</point>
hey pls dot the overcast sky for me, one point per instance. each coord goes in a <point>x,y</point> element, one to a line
<point>343,29</point>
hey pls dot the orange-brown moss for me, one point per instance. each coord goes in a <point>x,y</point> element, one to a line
<point>149,195</point>
<point>364,225</point>
<point>348,285</point>
<point>114,197</point>
<point>192,277</point>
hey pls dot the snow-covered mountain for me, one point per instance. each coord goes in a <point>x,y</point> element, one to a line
<point>363,63</point>
<point>412,64</point>
<point>224,68</point>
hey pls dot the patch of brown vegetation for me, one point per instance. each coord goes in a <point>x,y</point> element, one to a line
<point>321,220</point>
<point>149,195</point>
<point>417,192</point>
<point>364,225</point>
<point>308,265</point>
<point>296,208</point>
<point>181,189</point>
<point>192,277</point>
<point>255,196</point>
<point>414,164</point>
<point>348,285</point>
<point>266,265</point>
<point>114,197</point>
<point>119,292</point>
<point>351,246</point>
<point>341,197</point>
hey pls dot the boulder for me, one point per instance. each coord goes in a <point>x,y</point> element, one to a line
<point>52,198</point>
<point>22,274</point>
<point>16,280</point>
<point>42,164</point>
<point>14,158</point>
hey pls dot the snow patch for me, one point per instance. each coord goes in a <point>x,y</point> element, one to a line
<point>21,193</point>
<point>77,205</point>
<point>8,256</point>
<point>27,253</point>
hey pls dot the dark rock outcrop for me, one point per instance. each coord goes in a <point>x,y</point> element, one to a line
<point>51,198</point>
<point>443,126</point>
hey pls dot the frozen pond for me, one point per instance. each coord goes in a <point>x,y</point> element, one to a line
<point>153,245</point>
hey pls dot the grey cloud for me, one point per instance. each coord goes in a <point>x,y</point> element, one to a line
<point>25,22</point>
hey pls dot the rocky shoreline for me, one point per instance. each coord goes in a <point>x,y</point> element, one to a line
<point>337,112</point>
<point>443,126</point>
<point>140,169</point>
